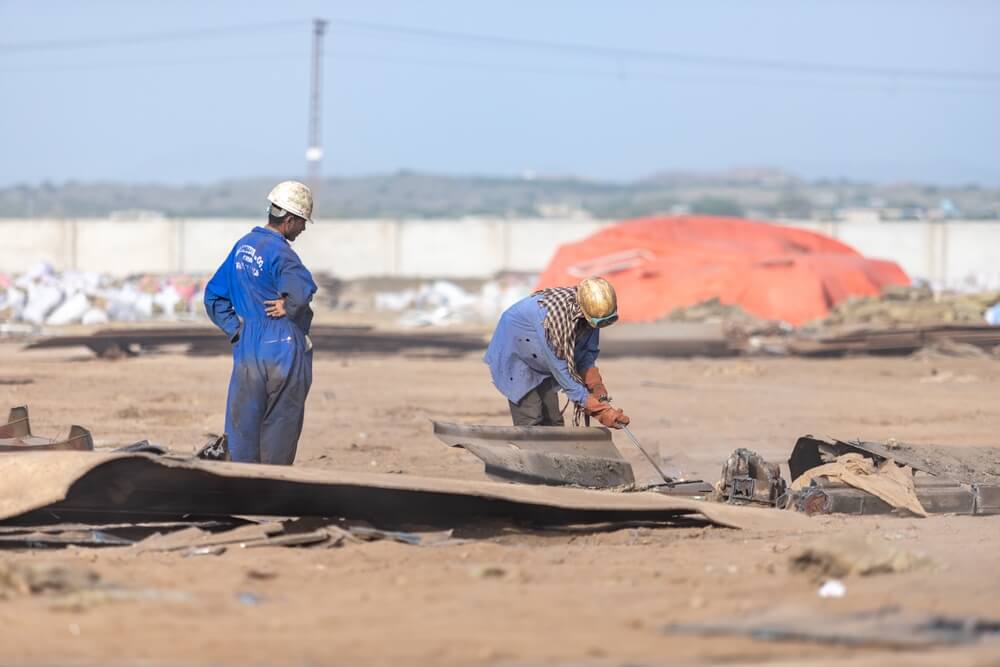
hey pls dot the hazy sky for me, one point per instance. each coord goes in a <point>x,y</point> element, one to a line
<point>914,93</point>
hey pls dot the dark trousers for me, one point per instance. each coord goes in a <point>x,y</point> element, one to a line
<point>539,407</point>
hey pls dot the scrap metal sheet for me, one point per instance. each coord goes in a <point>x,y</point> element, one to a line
<point>542,454</point>
<point>69,484</point>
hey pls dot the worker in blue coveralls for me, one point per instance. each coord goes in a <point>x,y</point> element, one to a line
<point>260,298</point>
<point>549,341</point>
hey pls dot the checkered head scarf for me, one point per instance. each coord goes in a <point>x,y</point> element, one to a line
<point>563,322</point>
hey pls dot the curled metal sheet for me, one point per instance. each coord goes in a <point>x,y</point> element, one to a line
<point>542,454</point>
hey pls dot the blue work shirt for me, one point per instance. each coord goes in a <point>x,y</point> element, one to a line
<point>520,357</point>
<point>261,267</point>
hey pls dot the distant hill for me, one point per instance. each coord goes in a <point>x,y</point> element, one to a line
<point>759,192</point>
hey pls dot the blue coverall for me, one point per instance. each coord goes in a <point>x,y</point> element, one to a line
<point>272,359</point>
<point>520,357</point>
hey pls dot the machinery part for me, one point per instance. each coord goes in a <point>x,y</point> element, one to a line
<point>748,478</point>
<point>936,496</point>
<point>542,454</point>
<point>16,436</point>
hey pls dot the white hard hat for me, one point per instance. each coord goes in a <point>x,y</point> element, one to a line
<point>294,197</point>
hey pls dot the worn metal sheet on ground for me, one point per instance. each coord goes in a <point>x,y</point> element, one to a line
<point>76,484</point>
<point>542,454</point>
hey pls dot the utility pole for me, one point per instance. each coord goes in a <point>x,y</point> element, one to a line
<point>314,152</point>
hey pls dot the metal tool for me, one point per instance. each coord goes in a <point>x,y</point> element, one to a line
<point>635,441</point>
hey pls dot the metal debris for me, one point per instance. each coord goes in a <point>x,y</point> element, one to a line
<point>897,340</point>
<point>84,538</point>
<point>216,449</point>
<point>406,537</point>
<point>16,436</point>
<point>958,480</point>
<point>969,465</point>
<point>748,478</point>
<point>542,455</point>
<point>144,447</point>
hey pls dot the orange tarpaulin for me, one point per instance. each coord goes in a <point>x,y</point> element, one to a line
<point>774,272</point>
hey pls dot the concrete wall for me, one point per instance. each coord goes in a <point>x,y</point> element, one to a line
<point>953,253</point>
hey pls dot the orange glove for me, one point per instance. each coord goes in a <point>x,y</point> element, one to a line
<point>595,383</point>
<point>607,415</point>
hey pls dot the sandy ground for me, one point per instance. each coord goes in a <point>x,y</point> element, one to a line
<point>569,599</point>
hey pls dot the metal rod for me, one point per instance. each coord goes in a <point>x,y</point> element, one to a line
<point>635,441</point>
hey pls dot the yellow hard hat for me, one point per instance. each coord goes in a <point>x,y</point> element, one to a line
<point>598,301</point>
<point>294,197</point>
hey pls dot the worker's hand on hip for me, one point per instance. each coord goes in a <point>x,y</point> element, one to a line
<point>275,308</point>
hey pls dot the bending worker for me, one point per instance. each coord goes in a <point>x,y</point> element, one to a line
<point>549,341</point>
<point>260,298</point>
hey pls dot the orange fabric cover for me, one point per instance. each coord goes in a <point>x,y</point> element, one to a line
<point>777,273</point>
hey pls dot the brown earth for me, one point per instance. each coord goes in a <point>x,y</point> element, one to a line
<point>515,598</point>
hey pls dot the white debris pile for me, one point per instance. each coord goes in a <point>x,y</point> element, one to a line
<point>42,296</point>
<point>443,303</point>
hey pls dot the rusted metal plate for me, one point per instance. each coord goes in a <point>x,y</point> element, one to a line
<point>16,436</point>
<point>968,465</point>
<point>581,456</point>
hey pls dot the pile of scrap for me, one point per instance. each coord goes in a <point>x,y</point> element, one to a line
<point>920,479</point>
<point>901,320</point>
<point>900,340</point>
<point>903,305</point>
<point>832,476</point>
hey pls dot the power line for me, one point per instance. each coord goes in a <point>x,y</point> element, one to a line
<point>618,73</point>
<point>619,55</point>
<point>626,75</point>
<point>149,37</point>
<point>677,57</point>
<point>134,64</point>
